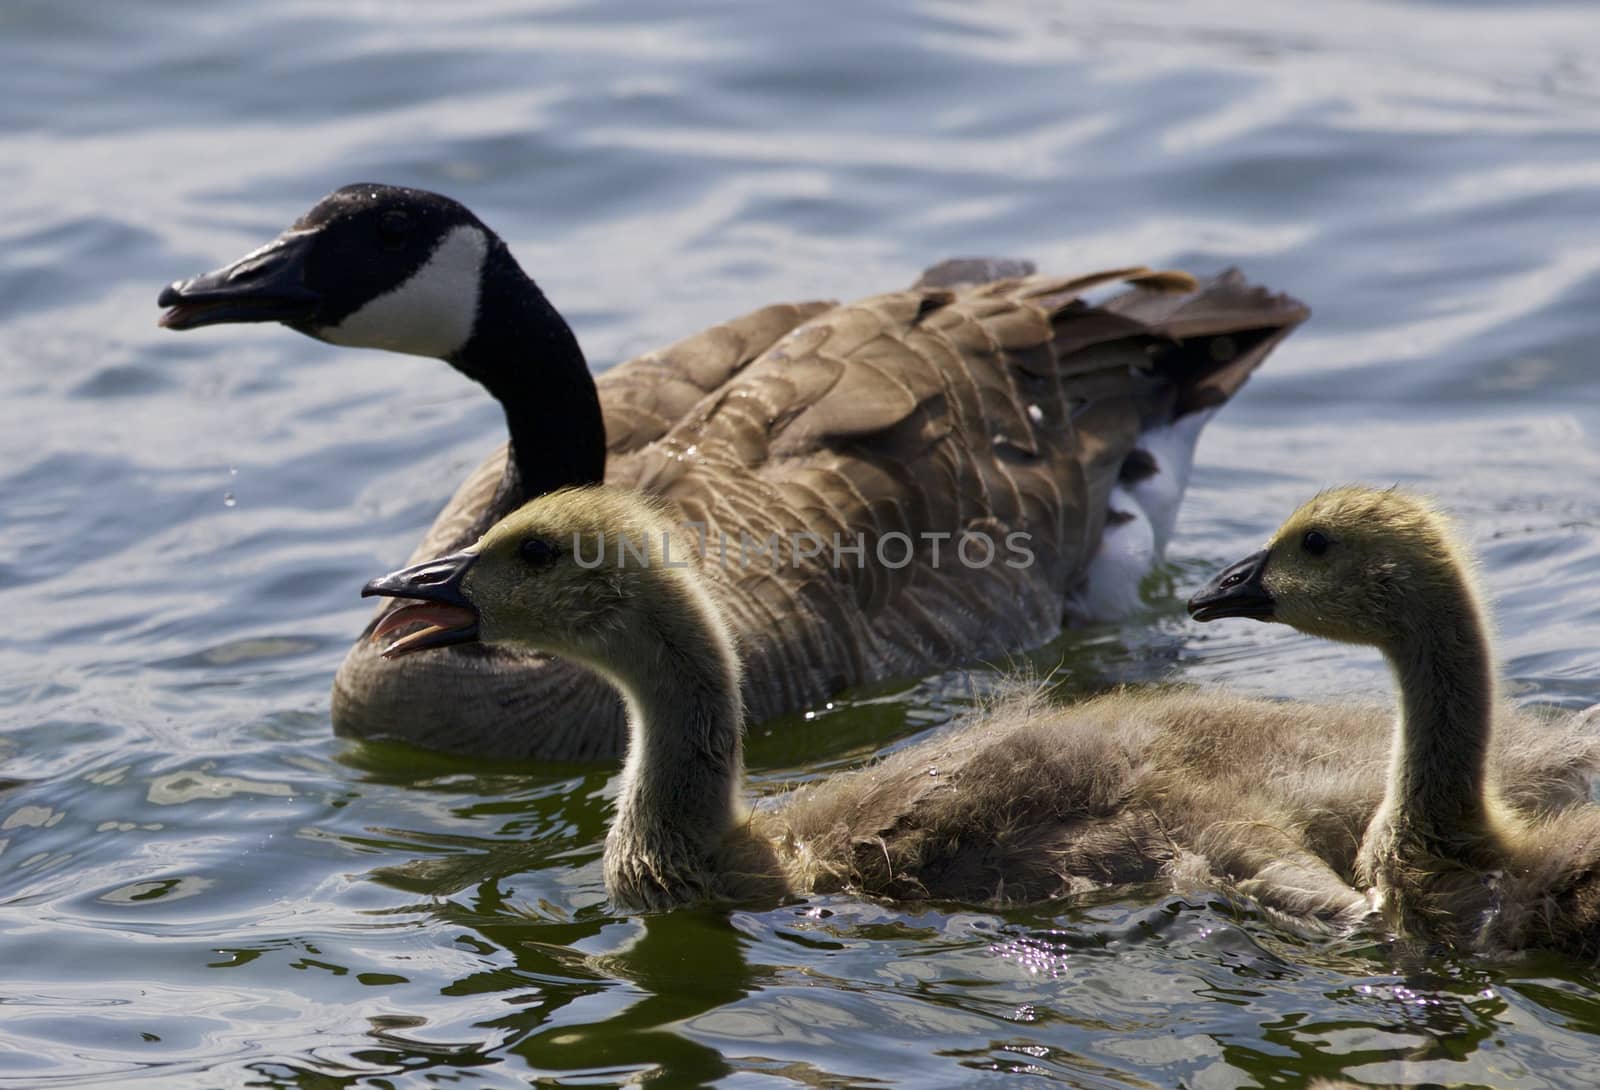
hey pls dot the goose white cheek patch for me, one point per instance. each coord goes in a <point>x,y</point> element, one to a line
<point>430,314</point>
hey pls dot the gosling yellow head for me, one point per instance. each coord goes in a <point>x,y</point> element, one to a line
<point>589,574</point>
<point>1356,564</point>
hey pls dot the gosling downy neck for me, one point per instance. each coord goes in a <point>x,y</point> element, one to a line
<point>684,767</point>
<point>405,270</point>
<point>1440,788</point>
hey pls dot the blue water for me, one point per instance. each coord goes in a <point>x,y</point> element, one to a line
<point>200,887</point>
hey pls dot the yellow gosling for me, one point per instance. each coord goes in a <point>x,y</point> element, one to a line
<point>1448,853</point>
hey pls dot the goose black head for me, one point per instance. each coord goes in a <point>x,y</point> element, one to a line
<point>371,266</point>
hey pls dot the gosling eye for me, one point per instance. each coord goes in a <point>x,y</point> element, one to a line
<point>539,553</point>
<point>1315,542</point>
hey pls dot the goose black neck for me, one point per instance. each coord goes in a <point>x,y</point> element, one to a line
<point>525,354</point>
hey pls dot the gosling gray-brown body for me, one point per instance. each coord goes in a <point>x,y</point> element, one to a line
<point>1027,801</point>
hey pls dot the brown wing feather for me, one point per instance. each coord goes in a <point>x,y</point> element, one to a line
<point>645,397</point>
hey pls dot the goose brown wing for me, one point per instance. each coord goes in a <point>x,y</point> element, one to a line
<point>1008,408</point>
<point>645,397</point>
<point>1229,327</point>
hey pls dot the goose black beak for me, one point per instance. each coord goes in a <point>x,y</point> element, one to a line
<point>437,601</point>
<point>1235,592</point>
<point>265,285</point>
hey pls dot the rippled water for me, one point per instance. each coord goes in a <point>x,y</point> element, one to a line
<point>200,887</point>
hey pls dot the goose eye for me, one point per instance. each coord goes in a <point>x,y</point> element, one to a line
<point>394,226</point>
<point>539,553</point>
<point>1315,542</point>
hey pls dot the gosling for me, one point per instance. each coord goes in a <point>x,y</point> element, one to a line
<point>1448,859</point>
<point>1024,802</point>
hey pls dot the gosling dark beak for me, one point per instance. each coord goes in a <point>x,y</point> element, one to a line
<point>437,601</point>
<point>265,285</point>
<point>1235,592</point>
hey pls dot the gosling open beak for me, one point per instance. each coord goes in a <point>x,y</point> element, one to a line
<point>438,603</point>
<point>1235,592</point>
<point>265,285</point>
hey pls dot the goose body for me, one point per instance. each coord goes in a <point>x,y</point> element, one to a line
<point>1449,855</point>
<point>834,457</point>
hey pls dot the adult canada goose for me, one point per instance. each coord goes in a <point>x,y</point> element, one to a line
<point>1448,858</point>
<point>981,404</point>
<point>1023,803</point>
